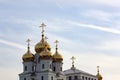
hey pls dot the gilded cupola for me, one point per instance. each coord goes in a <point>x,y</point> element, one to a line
<point>28,56</point>
<point>39,47</point>
<point>98,74</point>
<point>45,54</point>
<point>57,57</point>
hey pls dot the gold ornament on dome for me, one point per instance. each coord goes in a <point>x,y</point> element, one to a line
<point>28,56</point>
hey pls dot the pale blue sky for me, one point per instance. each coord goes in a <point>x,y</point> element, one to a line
<point>87,29</point>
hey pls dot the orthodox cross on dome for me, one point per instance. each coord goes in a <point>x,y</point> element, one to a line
<point>73,58</point>
<point>56,43</point>
<point>28,41</point>
<point>98,68</point>
<point>42,26</point>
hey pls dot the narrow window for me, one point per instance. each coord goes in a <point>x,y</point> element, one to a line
<point>42,78</point>
<point>39,59</point>
<point>25,68</point>
<point>70,78</point>
<point>82,77</point>
<point>86,78</point>
<point>50,66</point>
<point>52,78</point>
<point>43,66</point>
<point>54,69</point>
<point>32,68</point>
<point>24,78</point>
<point>61,69</point>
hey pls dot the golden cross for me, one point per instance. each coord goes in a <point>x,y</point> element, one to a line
<point>98,68</point>
<point>56,43</point>
<point>28,41</point>
<point>42,25</point>
<point>73,58</point>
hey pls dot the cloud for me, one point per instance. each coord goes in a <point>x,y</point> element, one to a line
<point>101,28</point>
<point>12,44</point>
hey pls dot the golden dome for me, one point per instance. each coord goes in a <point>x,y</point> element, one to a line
<point>28,56</point>
<point>39,47</point>
<point>99,76</point>
<point>45,54</point>
<point>57,57</point>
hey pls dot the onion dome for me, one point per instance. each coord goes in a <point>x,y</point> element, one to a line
<point>98,74</point>
<point>39,47</point>
<point>45,54</point>
<point>28,56</point>
<point>57,57</point>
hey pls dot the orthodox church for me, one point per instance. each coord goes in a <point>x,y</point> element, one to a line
<point>43,65</point>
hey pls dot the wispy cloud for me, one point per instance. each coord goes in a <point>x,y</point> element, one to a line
<point>13,44</point>
<point>92,26</point>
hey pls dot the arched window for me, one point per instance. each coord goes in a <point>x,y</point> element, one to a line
<point>82,77</point>
<point>43,66</point>
<point>42,78</point>
<point>88,78</point>
<point>24,78</point>
<point>25,68</point>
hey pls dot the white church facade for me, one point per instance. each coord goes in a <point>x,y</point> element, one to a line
<point>43,65</point>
